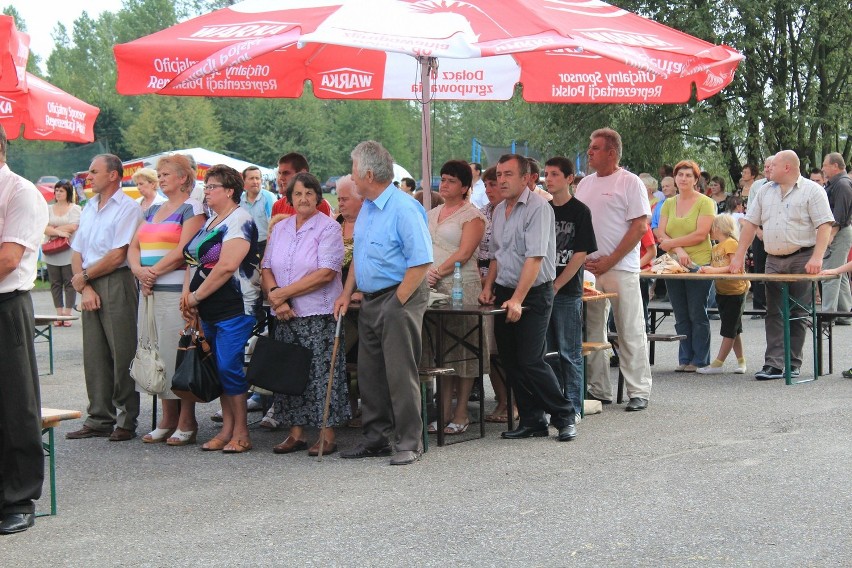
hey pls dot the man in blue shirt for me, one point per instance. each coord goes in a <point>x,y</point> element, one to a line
<point>393,251</point>
<point>258,202</point>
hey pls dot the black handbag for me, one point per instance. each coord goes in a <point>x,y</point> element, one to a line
<point>196,377</point>
<point>282,368</point>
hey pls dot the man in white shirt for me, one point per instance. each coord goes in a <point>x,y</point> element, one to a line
<point>620,209</point>
<point>796,220</point>
<point>109,303</point>
<point>477,191</point>
<point>23,217</point>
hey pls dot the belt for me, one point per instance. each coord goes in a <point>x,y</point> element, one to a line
<point>377,293</point>
<point>803,249</point>
<point>9,295</point>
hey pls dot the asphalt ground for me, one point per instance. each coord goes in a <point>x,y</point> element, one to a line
<point>719,471</point>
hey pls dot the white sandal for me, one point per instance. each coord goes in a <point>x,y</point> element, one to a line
<point>158,435</point>
<point>181,438</point>
<point>452,428</point>
<point>433,427</point>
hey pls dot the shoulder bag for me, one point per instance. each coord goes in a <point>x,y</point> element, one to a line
<point>56,245</point>
<point>196,377</point>
<point>147,368</point>
<point>282,368</point>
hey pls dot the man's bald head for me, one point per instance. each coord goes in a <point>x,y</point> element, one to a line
<point>785,167</point>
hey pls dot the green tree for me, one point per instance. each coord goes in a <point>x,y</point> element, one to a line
<point>164,123</point>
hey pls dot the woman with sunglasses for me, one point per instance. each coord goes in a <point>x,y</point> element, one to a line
<point>64,221</point>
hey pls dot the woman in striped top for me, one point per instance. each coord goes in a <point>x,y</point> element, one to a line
<point>156,259</point>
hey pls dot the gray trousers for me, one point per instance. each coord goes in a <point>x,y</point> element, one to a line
<point>836,296</point>
<point>60,286</point>
<point>773,323</point>
<point>21,454</point>
<point>109,344</point>
<point>389,348</point>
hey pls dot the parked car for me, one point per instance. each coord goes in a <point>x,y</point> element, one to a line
<point>45,186</point>
<point>330,185</point>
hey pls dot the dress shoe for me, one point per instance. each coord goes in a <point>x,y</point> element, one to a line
<point>87,432</point>
<point>567,433</point>
<point>525,432</point>
<point>12,523</point>
<point>636,403</point>
<point>121,435</point>
<point>363,451</point>
<point>768,372</point>
<point>327,449</point>
<point>405,457</point>
<point>290,445</point>
<point>590,396</point>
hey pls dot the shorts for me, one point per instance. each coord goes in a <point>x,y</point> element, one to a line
<point>731,313</point>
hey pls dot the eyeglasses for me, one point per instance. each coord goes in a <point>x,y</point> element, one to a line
<point>212,186</point>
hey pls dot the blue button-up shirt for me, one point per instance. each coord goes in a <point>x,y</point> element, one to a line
<point>391,236</point>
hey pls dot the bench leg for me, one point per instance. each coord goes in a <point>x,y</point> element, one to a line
<point>423,405</point>
<point>51,460</point>
<point>620,397</point>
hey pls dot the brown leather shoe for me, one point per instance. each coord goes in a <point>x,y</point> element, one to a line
<point>121,435</point>
<point>290,445</point>
<point>87,432</point>
<point>327,449</point>
<point>237,446</point>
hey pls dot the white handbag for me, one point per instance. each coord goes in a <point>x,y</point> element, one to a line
<point>147,368</point>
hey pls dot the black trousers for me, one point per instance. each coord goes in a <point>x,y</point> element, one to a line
<point>521,347</point>
<point>21,453</point>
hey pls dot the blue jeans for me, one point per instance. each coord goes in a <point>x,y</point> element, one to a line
<point>228,339</point>
<point>689,304</point>
<point>565,335</point>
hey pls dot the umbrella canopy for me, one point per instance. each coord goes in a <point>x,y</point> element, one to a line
<point>47,113</point>
<point>561,51</point>
<point>14,52</point>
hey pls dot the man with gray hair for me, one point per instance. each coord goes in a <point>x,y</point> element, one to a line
<point>620,209</point>
<point>393,251</point>
<point>23,217</point>
<point>796,221</point>
<point>836,295</point>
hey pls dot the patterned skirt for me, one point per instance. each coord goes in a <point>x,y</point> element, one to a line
<point>317,334</point>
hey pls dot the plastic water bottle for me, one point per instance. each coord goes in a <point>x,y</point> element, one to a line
<point>458,289</point>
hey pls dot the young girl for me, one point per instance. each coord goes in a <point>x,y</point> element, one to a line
<point>730,294</point>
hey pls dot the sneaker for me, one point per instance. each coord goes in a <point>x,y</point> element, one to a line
<point>690,368</point>
<point>714,316</point>
<point>794,372</point>
<point>847,373</point>
<point>741,369</point>
<point>708,370</point>
<point>757,317</point>
<point>253,405</point>
<point>769,372</point>
<point>217,417</point>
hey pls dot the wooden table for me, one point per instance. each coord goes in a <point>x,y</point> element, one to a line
<point>787,304</point>
<point>44,329</point>
<point>50,419</point>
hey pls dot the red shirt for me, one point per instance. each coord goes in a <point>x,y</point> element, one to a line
<point>281,207</point>
<point>647,241</point>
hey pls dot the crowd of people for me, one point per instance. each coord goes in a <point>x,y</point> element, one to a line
<point>528,249</point>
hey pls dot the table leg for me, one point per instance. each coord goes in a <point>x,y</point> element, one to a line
<point>481,376</point>
<point>51,464</point>
<point>50,346</point>
<point>817,333</point>
<point>785,317</point>
<point>439,361</point>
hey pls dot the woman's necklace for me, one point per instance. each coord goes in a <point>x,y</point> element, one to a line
<point>447,211</point>
<point>220,218</point>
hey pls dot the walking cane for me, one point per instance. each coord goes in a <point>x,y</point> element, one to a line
<point>330,382</point>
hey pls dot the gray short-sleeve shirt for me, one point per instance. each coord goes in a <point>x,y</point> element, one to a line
<point>528,232</point>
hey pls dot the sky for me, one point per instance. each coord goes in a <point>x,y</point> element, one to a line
<point>41,16</point>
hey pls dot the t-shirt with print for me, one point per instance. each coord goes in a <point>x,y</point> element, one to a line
<point>156,240</point>
<point>241,294</point>
<point>720,256</point>
<point>574,233</point>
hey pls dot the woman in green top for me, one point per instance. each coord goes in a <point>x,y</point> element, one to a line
<point>685,221</point>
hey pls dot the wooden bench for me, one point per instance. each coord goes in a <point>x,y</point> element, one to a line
<point>50,419</point>
<point>44,330</point>
<point>652,339</point>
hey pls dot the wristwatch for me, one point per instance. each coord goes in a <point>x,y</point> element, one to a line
<point>85,275</point>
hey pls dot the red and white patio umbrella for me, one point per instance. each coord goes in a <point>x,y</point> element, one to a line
<point>47,113</point>
<point>560,51</point>
<point>14,52</point>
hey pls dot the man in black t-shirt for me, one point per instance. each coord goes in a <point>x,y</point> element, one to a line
<point>575,238</point>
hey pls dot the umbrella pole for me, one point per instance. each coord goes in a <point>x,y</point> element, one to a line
<point>426,65</point>
<point>330,382</point>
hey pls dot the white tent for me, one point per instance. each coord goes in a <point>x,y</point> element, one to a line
<point>208,158</point>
